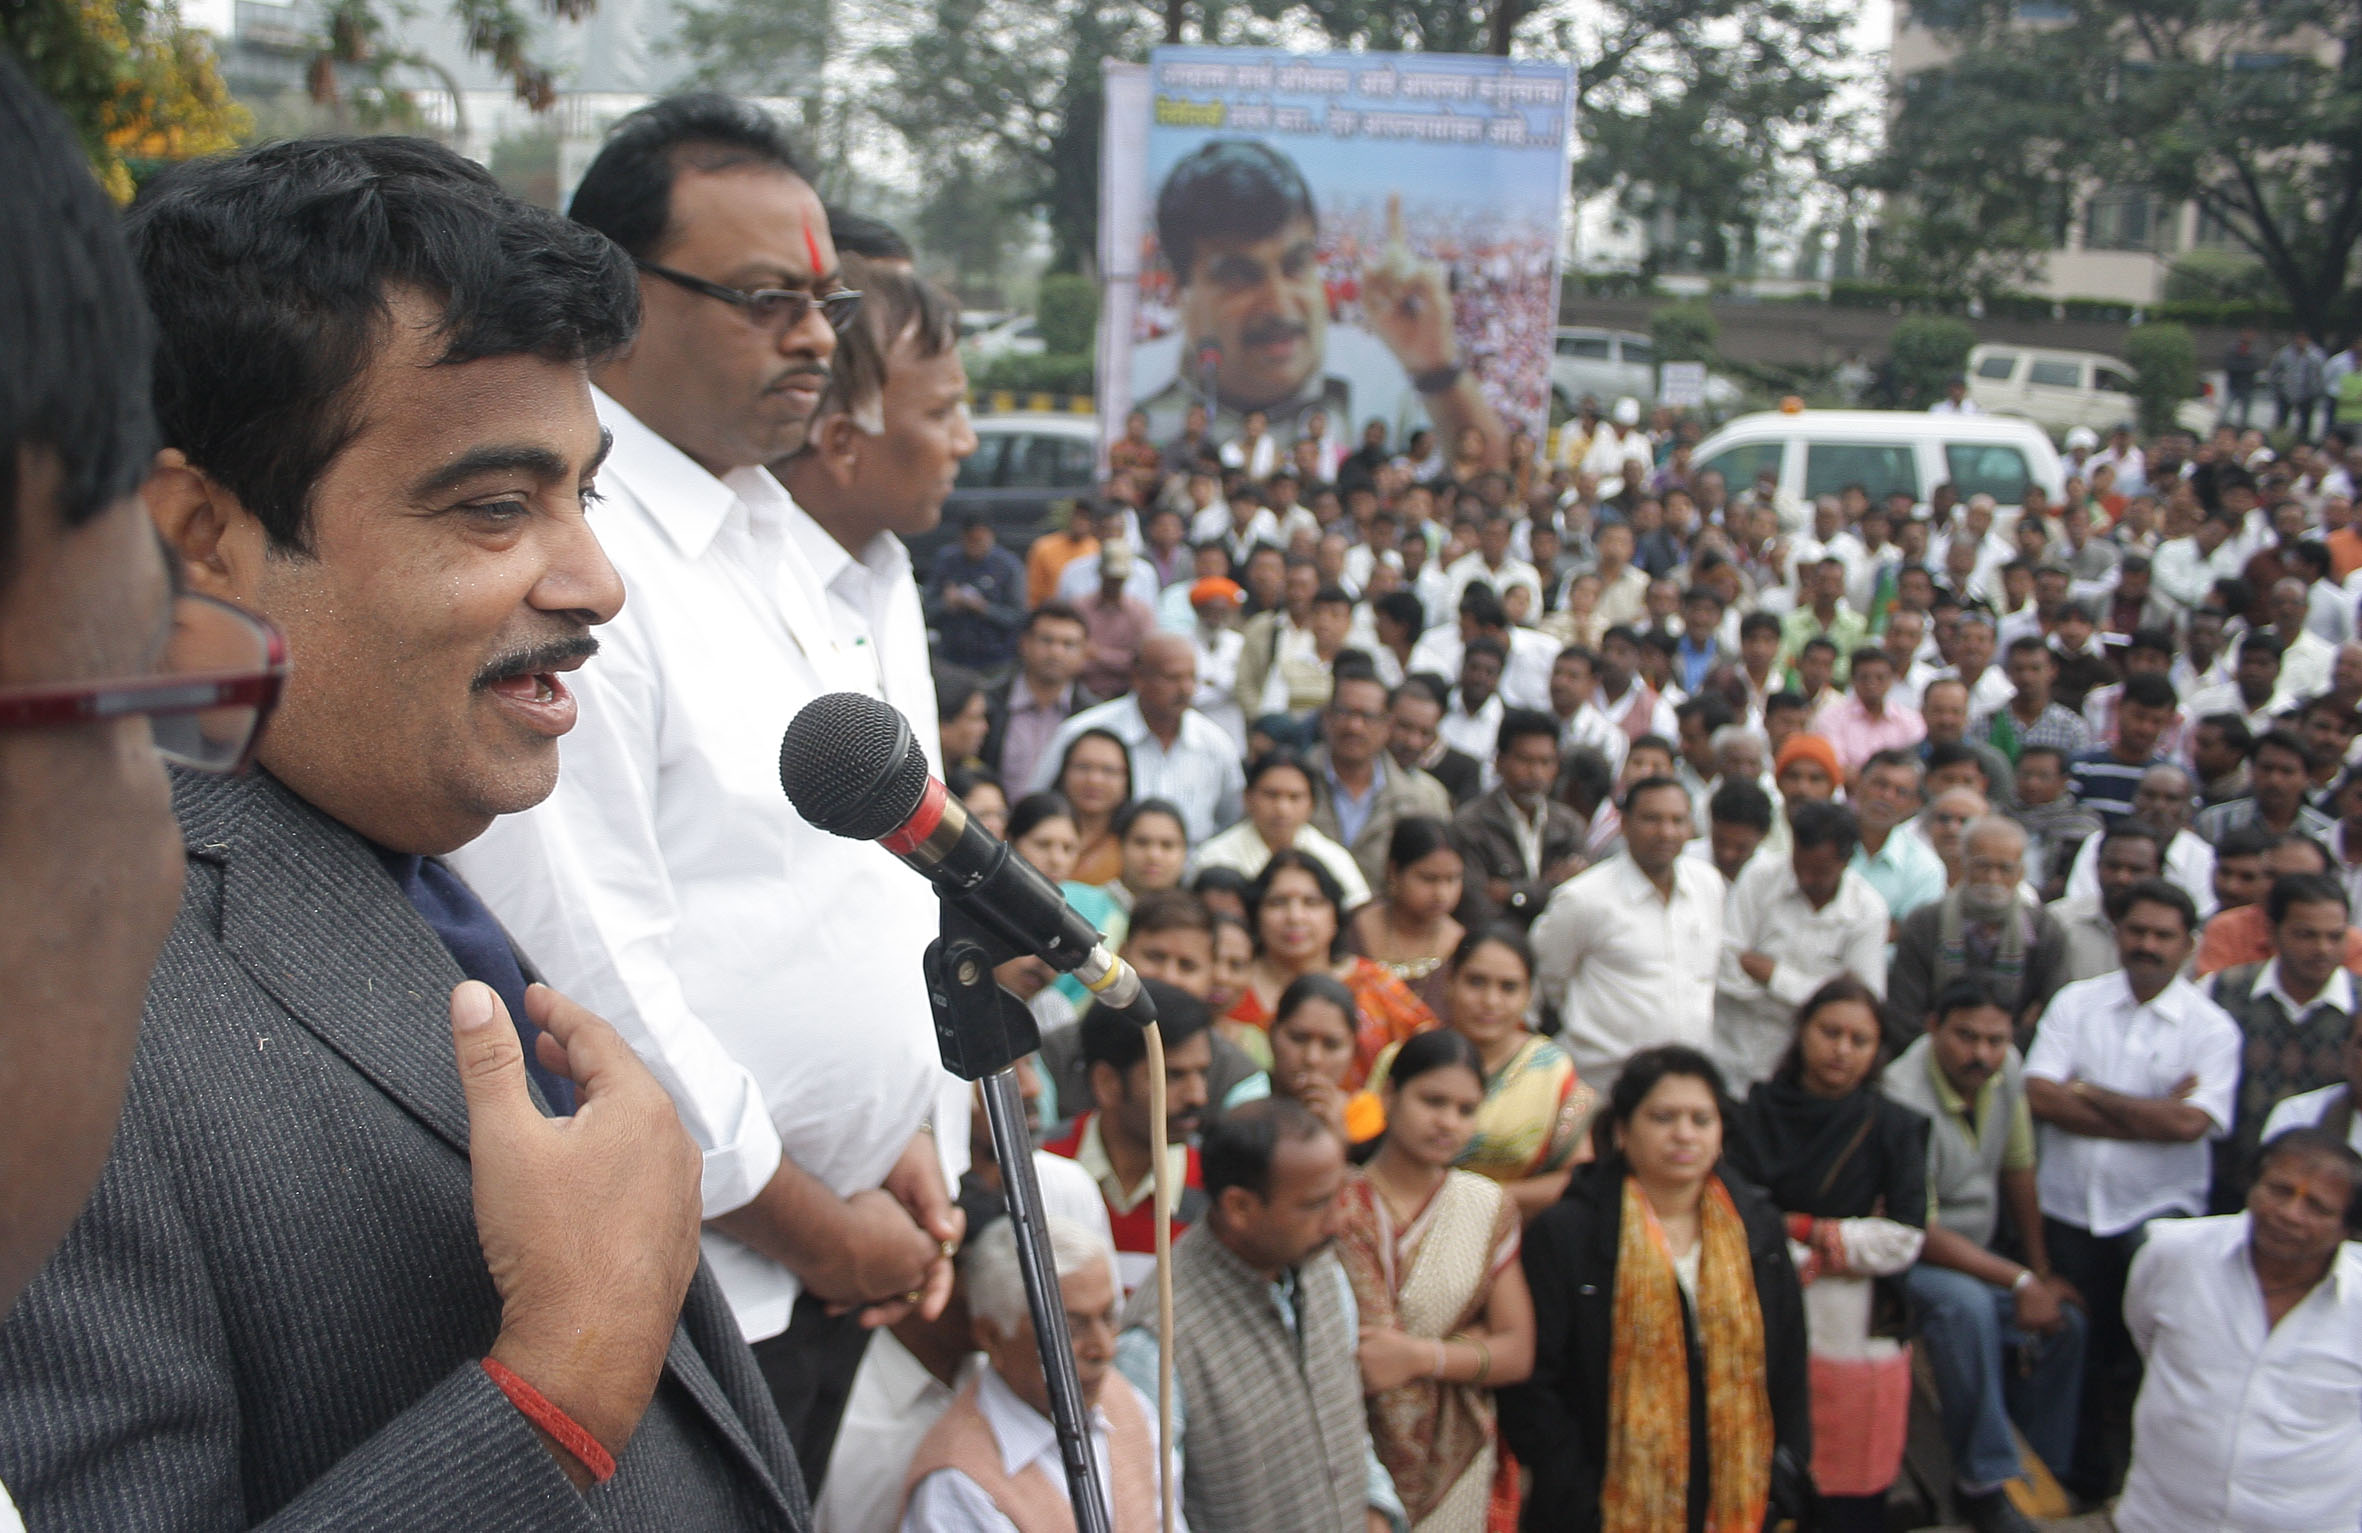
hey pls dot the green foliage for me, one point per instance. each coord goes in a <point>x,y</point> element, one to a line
<point>1007,93</point>
<point>1049,372</point>
<point>2216,276</point>
<point>2243,107</point>
<point>755,47</point>
<point>1069,312</point>
<point>1684,332</point>
<point>2165,370</point>
<point>1929,351</point>
<point>1712,112</point>
<point>140,88</point>
<point>1711,115</point>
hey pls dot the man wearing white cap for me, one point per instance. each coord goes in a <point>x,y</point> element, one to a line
<point>1618,439</point>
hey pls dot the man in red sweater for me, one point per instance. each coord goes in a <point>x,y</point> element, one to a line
<point>1111,1141</point>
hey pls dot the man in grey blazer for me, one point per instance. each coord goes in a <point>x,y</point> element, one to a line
<point>341,1271</point>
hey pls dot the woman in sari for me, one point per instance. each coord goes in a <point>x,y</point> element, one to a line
<point>1669,1391</point>
<point>1432,1253</point>
<point>1410,928</point>
<point>1297,913</point>
<point>1847,1165</point>
<point>1095,775</point>
<point>1529,1132</point>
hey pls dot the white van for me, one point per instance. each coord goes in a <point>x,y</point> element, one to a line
<point>2057,390</point>
<point>1820,452</point>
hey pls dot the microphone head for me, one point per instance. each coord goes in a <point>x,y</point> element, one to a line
<point>851,767</point>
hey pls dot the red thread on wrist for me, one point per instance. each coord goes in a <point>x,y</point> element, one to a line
<point>536,1407</point>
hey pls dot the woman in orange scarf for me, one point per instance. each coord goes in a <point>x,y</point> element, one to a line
<point>1669,1390</point>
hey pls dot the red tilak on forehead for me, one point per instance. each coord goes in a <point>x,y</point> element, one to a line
<point>812,248</point>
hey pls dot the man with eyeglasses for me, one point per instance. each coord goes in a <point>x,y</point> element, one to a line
<point>95,646</point>
<point>1358,795</point>
<point>1236,223</point>
<point>373,1192</point>
<point>770,972</point>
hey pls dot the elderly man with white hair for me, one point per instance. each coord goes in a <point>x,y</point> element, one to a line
<point>991,1464</point>
<point>1990,927</point>
<point>1742,753</point>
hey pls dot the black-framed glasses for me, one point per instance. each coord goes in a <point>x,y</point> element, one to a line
<point>776,309</point>
<point>218,679</point>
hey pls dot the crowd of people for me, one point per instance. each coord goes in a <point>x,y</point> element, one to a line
<point>1639,964</point>
<point>1956,892</point>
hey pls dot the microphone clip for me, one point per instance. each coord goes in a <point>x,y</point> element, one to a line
<point>980,1029</point>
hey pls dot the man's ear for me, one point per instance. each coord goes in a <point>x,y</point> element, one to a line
<point>836,440</point>
<point>218,541</point>
<point>1107,1087</point>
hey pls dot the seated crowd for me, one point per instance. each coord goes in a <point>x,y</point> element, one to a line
<point>1639,967</point>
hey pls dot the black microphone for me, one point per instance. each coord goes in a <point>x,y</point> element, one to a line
<point>851,767</point>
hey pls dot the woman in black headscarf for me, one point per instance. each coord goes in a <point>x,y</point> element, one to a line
<point>1848,1167</point>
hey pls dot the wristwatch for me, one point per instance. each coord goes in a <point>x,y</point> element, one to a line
<point>1435,380</point>
<point>2024,1279</point>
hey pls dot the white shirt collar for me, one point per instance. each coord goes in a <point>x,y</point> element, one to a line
<point>2339,992</point>
<point>1022,1433</point>
<point>681,497</point>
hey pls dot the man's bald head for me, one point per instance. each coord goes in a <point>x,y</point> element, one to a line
<point>1164,678</point>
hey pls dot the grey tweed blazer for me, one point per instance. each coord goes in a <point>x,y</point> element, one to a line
<point>272,1311</point>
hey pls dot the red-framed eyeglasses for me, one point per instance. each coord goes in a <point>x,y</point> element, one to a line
<point>217,681</point>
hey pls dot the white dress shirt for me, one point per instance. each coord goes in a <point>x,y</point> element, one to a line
<point>2095,1031</point>
<point>1079,581</point>
<point>1629,967</point>
<point>1243,848</point>
<point>1661,721</point>
<point>2189,865</point>
<point>2306,1110</point>
<point>1200,774</point>
<point>1474,734</point>
<point>9,1522</point>
<point>2305,664</point>
<point>947,1501</point>
<point>2242,1426</point>
<point>1469,568</point>
<point>1589,729</point>
<point>892,1406</point>
<point>1767,913</point>
<point>668,884</point>
<point>2225,697</point>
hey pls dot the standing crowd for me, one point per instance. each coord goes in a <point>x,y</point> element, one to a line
<point>1751,946</point>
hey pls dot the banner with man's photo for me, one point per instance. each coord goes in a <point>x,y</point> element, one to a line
<point>1370,236</point>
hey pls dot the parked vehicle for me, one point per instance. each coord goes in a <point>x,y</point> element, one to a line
<point>1025,466</point>
<point>1820,452</point>
<point>1610,364</point>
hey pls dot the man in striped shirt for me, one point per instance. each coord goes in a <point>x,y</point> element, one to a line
<point>2106,778</point>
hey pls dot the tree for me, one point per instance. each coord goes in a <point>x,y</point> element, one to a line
<point>2246,108</point>
<point>139,87</point>
<point>1928,352</point>
<point>1703,115</point>
<point>775,48</point>
<point>1013,85</point>
<point>2165,371</point>
<point>1684,332</point>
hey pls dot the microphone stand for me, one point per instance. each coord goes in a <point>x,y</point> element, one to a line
<point>982,1031</point>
